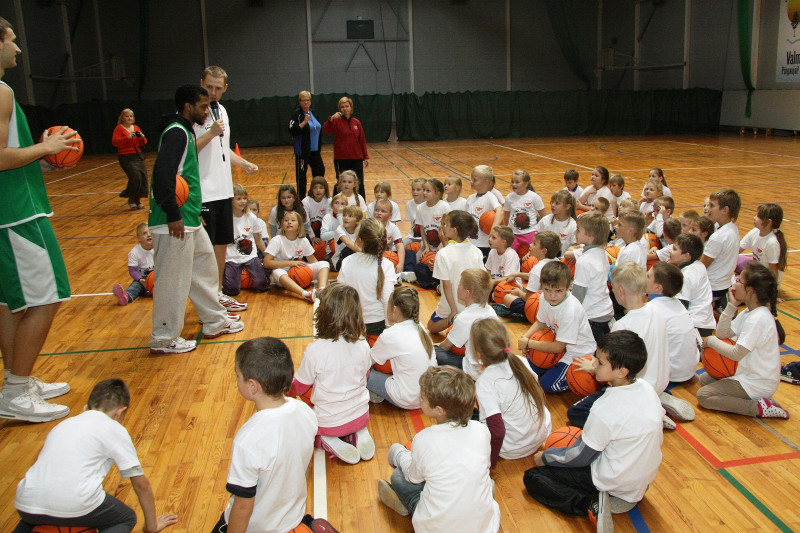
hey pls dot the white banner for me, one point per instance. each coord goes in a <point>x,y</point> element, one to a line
<point>788,68</point>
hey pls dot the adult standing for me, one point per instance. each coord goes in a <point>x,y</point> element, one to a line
<point>184,258</point>
<point>33,277</point>
<point>129,140</point>
<point>349,143</point>
<point>216,180</point>
<point>305,130</point>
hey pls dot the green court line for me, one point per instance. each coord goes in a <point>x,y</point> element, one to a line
<point>787,314</point>
<point>755,501</point>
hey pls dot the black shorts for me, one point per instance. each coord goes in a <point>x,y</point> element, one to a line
<point>218,221</point>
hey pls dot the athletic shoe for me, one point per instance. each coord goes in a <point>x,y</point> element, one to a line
<point>408,277</point>
<point>30,407</point>
<point>439,289</point>
<point>309,296</point>
<point>790,374</point>
<point>344,451</point>
<point>231,326</point>
<point>504,312</point>
<point>119,292</point>
<point>676,408</point>
<point>769,408</point>
<point>390,498</point>
<point>47,390</point>
<point>230,304</point>
<point>177,345</point>
<point>600,513</point>
<point>667,423</point>
<point>364,444</point>
<point>230,316</point>
<point>375,398</point>
<point>395,450</point>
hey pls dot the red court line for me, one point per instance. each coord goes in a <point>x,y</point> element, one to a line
<point>416,419</point>
<point>718,463</point>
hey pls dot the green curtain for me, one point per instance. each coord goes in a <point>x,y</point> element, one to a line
<point>744,12</point>
<point>563,14</point>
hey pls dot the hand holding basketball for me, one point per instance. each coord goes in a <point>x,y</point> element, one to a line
<point>585,363</point>
<point>58,140</point>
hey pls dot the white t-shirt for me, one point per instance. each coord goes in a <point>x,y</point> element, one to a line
<point>338,371</point>
<point>459,335</point>
<point>282,249</point>
<point>67,478</point>
<point>564,229</point>
<point>766,249</point>
<point>459,204</point>
<point>759,371</point>
<point>275,224</point>
<point>338,233</point>
<point>663,253</point>
<point>360,271</point>
<point>634,252</point>
<point>450,262</point>
<point>622,196</point>
<point>316,211</point>
<point>534,276</point>
<point>497,194</point>
<point>478,205</point>
<point>577,193</point>
<point>723,247</point>
<point>502,265</point>
<point>260,227</point>
<point>646,208</point>
<point>141,259</point>
<point>357,199</point>
<point>392,236</point>
<point>568,321</point>
<point>216,180</point>
<point>697,291</point>
<point>411,215</point>
<point>604,192</point>
<point>429,219</point>
<point>271,452</point>
<point>243,248</point>
<point>401,344</point>
<point>499,392</point>
<point>649,325</point>
<point>329,223</point>
<point>523,211</point>
<point>682,337</point>
<point>625,425</point>
<point>591,272</point>
<point>395,211</point>
<point>453,461</point>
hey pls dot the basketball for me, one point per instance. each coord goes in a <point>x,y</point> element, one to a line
<point>302,275</point>
<point>651,262</point>
<point>544,359</point>
<point>428,256</point>
<point>306,397</point>
<point>63,529</point>
<point>501,289</point>
<point>652,241</point>
<point>522,220</point>
<point>718,366</point>
<point>386,367</point>
<point>433,237</point>
<point>150,281</point>
<point>532,307</point>
<point>458,351</point>
<point>522,250</point>
<point>571,264</point>
<point>612,252</point>
<point>320,249</point>
<point>486,222</point>
<point>332,245</point>
<point>528,264</point>
<point>413,247</point>
<point>247,281</point>
<point>372,339</point>
<point>181,190</point>
<point>392,256</point>
<point>417,231</point>
<point>563,437</point>
<point>65,158</point>
<point>580,382</point>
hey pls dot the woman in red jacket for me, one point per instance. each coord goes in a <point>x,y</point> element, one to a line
<point>349,143</point>
<point>129,139</point>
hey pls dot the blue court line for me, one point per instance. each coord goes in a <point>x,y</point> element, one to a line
<point>459,174</point>
<point>638,520</point>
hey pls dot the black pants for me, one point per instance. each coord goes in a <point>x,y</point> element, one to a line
<point>357,166</point>
<point>719,300</point>
<point>569,490</point>
<point>578,412</point>
<point>301,165</point>
<point>599,329</point>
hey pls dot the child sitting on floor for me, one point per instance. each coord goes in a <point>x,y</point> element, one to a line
<point>140,264</point>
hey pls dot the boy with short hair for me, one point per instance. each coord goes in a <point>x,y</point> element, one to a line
<point>383,191</point>
<point>600,204</point>
<point>545,247</point>
<point>686,218</point>
<point>618,454</point>
<point>443,482</point>
<point>571,183</point>
<point>140,264</point>
<point>483,201</point>
<point>473,290</point>
<point>664,281</point>
<point>672,228</point>
<point>502,260</point>
<point>616,184</point>
<point>560,311</point>
<point>457,256</point>
<point>64,486</point>
<point>591,272</point>
<point>630,229</point>
<point>696,293</point>
<point>272,450</point>
<point>722,248</point>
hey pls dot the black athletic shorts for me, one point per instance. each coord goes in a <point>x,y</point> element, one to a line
<point>218,220</point>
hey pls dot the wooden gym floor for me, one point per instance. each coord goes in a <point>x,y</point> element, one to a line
<point>721,472</point>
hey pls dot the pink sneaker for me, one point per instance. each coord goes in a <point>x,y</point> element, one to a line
<point>119,292</point>
<point>769,408</point>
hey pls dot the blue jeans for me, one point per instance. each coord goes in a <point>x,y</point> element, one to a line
<point>135,290</point>
<point>448,358</point>
<point>408,492</point>
<point>376,382</point>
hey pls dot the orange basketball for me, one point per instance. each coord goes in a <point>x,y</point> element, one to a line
<point>612,252</point>
<point>718,366</point>
<point>386,367</point>
<point>486,221</point>
<point>571,264</point>
<point>413,247</point>
<point>580,382</point>
<point>652,241</point>
<point>306,397</point>
<point>458,351</point>
<point>302,275</point>
<point>501,289</point>
<point>544,359</point>
<point>522,250</point>
<point>181,190</point>
<point>150,281</point>
<point>63,529</point>
<point>528,264</point>
<point>428,256</point>
<point>651,262</point>
<point>579,212</point>
<point>66,157</point>
<point>320,249</point>
<point>532,307</point>
<point>392,256</point>
<point>563,437</point>
<point>247,281</point>
<point>332,245</point>
<point>372,339</point>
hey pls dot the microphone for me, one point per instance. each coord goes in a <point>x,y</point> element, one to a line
<point>215,112</point>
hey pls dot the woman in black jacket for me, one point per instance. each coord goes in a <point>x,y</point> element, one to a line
<point>306,131</point>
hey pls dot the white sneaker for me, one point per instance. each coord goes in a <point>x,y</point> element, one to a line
<point>365,445</point>
<point>667,423</point>
<point>230,304</point>
<point>30,407</point>
<point>375,398</point>
<point>177,345</point>
<point>676,408</point>
<point>344,451</point>
<point>390,498</point>
<point>231,326</point>
<point>769,408</point>
<point>408,277</point>
<point>47,390</point>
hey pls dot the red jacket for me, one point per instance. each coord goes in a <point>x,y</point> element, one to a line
<point>348,138</point>
<point>125,145</point>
